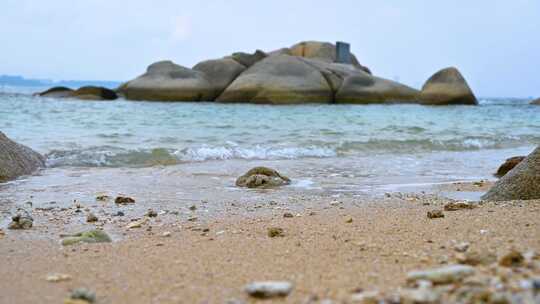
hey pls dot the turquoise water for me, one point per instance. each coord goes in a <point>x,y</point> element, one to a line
<point>124,133</point>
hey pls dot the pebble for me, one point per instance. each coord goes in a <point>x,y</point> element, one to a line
<point>92,236</point>
<point>462,247</point>
<point>166,234</point>
<point>269,289</point>
<point>433,214</point>
<point>475,258</point>
<point>83,294</point>
<point>442,275</point>
<point>422,295</point>
<point>21,222</point>
<point>288,215</point>
<point>350,220</point>
<point>58,277</point>
<point>122,200</point>
<point>102,198</point>
<point>366,297</point>
<point>90,218</point>
<point>151,213</point>
<point>455,206</point>
<point>136,224</point>
<point>193,208</point>
<point>119,213</point>
<point>276,232</point>
<point>512,259</point>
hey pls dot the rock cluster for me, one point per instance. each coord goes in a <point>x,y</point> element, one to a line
<point>307,72</point>
<point>17,160</point>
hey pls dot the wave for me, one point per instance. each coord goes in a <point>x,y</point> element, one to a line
<point>111,156</point>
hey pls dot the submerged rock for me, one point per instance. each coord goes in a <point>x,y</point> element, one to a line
<point>443,275</point>
<point>21,222</point>
<point>92,236</point>
<point>94,93</point>
<point>56,92</point>
<point>17,160</point>
<point>447,87</point>
<point>508,165</point>
<point>521,183</point>
<point>262,177</point>
<point>269,289</point>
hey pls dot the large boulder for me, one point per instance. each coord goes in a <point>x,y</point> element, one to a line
<point>352,85</point>
<point>167,81</point>
<point>521,183</point>
<point>536,102</point>
<point>447,87</point>
<point>56,92</point>
<point>94,93</point>
<point>280,79</point>
<point>17,160</point>
<point>323,51</point>
<point>220,73</point>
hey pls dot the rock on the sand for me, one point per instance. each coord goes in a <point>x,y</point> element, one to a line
<point>447,87</point>
<point>269,289</point>
<point>92,236</point>
<point>21,222</point>
<point>17,160</point>
<point>521,183</point>
<point>443,275</point>
<point>508,165</point>
<point>262,177</point>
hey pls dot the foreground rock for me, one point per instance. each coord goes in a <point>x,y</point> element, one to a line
<point>21,222</point>
<point>447,87</point>
<point>281,79</point>
<point>167,81</point>
<point>521,183</point>
<point>508,165</point>
<point>92,236</point>
<point>269,289</point>
<point>262,177</point>
<point>83,93</point>
<point>17,160</point>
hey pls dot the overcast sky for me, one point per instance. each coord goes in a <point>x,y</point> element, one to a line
<point>495,43</point>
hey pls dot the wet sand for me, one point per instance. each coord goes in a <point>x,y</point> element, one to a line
<point>209,260</point>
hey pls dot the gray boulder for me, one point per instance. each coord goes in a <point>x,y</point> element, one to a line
<point>353,85</point>
<point>520,183</point>
<point>220,73</point>
<point>167,81</point>
<point>93,93</point>
<point>280,79</point>
<point>536,102</point>
<point>17,160</point>
<point>447,87</point>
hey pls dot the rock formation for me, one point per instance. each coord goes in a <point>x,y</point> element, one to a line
<point>447,87</point>
<point>83,93</point>
<point>16,159</point>
<point>521,183</point>
<point>536,102</point>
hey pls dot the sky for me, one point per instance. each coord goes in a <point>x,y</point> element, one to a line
<point>494,43</point>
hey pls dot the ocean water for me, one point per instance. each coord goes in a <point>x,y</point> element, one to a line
<point>340,146</point>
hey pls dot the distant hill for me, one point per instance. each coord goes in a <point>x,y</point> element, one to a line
<point>19,81</point>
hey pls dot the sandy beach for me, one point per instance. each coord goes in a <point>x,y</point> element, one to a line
<point>333,249</point>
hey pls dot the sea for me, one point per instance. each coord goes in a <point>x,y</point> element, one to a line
<point>191,148</point>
